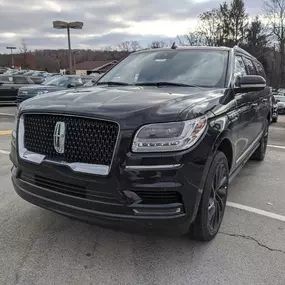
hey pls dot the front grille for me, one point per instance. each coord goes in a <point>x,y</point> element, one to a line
<point>159,197</point>
<point>63,187</point>
<point>86,140</point>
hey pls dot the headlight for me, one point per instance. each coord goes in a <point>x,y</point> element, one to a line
<point>43,92</point>
<point>169,136</point>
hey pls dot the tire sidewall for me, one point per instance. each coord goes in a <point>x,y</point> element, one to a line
<point>208,234</point>
<point>263,144</point>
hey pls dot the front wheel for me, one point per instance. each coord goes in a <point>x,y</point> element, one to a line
<point>213,202</point>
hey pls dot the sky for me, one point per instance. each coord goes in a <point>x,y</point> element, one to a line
<point>106,22</point>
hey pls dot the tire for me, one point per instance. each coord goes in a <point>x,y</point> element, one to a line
<point>260,153</point>
<point>212,205</point>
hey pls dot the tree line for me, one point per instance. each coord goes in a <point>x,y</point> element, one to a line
<point>227,24</point>
<point>263,37</point>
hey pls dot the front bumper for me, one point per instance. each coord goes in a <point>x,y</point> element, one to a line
<point>120,203</point>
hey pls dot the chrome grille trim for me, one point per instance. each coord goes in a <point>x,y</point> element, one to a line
<point>36,158</point>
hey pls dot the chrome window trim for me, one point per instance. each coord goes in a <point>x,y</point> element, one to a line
<point>87,168</point>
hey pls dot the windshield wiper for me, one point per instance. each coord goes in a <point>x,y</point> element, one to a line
<point>115,83</point>
<point>164,83</point>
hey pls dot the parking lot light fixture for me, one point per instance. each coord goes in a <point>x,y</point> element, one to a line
<point>12,56</point>
<point>68,25</point>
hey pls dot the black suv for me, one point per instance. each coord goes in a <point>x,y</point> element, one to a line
<point>154,145</point>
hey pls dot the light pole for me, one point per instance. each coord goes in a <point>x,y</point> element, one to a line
<point>68,26</point>
<point>11,48</point>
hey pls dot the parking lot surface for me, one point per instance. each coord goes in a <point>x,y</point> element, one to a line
<point>38,247</point>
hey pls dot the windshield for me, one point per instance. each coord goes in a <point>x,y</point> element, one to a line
<point>60,81</point>
<point>64,81</point>
<point>205,68</point>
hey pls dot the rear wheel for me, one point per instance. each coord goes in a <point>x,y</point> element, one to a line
<point>213,202</point>
<point>260,153</point>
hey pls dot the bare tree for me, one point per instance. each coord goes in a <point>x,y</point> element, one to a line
<point>135,46</point>
<point>191,39</point>
<point>158,44</point>
<point>238,21</point>
<point>275,13</point>
<point>209,26</point>
<point>128,46</point>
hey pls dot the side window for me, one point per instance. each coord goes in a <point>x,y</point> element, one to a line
<point>260,70</point>
<point>240,69</point>
<point>250,66</point>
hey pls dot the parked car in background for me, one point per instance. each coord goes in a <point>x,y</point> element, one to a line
<point>92,81</point>
<point>40,74</point>
<point>37,76</point>
<point>281,104</point>
<point>3,70</point>
<point>11,71</point>
<point>54,74</point>
<point>54,83</point>
<point>9,86</point>
<point>154,145</point>
<point>29,73</point>
<point>274,116</point>
<point>38,79</point>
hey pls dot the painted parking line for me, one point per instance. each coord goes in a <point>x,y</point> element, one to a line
<point>7,114</point>
<point>256,211</point>
<point>6,132</point>
<point>4,152</point>
<point>276,146</point>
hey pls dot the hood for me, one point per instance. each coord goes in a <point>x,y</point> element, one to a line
<point>129,105</point>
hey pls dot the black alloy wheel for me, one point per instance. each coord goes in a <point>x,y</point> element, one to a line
<point>213,201</point>
<point>218,198</point>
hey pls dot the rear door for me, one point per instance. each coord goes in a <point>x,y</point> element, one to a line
<point>254,98</point>
<point>246,132</point>
<point>264,99</point>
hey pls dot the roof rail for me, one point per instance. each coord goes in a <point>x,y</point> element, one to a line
<point>236,47</point>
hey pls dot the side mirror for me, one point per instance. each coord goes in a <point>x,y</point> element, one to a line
<point>251,83</point>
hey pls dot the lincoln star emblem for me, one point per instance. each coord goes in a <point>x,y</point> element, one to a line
<point>59,137</point>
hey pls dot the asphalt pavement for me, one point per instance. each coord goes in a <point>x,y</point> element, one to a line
<point>38,247</point>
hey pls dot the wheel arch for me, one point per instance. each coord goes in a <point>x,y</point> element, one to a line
<point>224,144</point>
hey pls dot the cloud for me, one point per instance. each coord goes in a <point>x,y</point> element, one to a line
<point>111,21</point>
